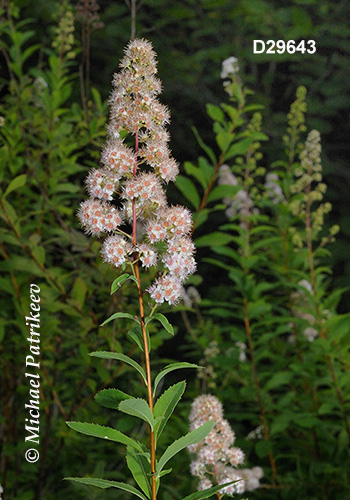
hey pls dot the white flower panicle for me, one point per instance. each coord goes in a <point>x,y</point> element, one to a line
<point>273,189</point>
<point>129,188</point>
<point>216,457</point>
<point>241,204</point>
<point>302,309</point>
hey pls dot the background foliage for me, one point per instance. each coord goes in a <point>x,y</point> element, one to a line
<point>54,110</point>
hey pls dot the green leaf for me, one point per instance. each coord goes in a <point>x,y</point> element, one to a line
<point>117,283</point>
<point>278,379</point>
<point>205,148</point>
<point>188,189</point>
<point>138,407</point>
<point>120,357</point>
<point>170,368</point>
<point>104,484</point>
<point>223,191</point>
<point>165,472</point>
<point>306,420</point>
<point>16,183</point>
<point>215,113</point>
<point>139,467</point>
<point>192,437</point>
<point>200,495</point>
<point>239,148</point>
<point>195,172</point>
<point>110,398</point>
<point>166,404</point>
<point>163,320</point>
<point>103,432</point>
<point>214,239</point>
<point>120,315</point>
<point>79,291</point>
<point>224,139</point>
<point>137,337</point>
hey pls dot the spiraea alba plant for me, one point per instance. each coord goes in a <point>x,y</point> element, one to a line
<point>128,203</point>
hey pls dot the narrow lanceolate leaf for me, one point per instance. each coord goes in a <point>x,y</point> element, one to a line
<point>139,466</point>
<point>163,320</point>
<point>200,495</point>
<point>166,404</point>
<point>137,337</point>
<point>120,315</point>
<point>138,407</point>
<point>16,183</point>
<point>104,484</point>
<point>117,283</point>
<point>191,438</point>
<point>205,148</point>
<point>103,432</point>
<point>120,357</point>
<point>110,398</point>
<point>188,189</point>
<point>170,368</point>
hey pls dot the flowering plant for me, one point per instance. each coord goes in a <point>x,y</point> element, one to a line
<point>159,235</point>
<point>281,347</point>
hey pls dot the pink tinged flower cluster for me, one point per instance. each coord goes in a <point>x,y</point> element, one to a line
<point>98,217</point>
<point>215,456</point>
<point>129,188</point>
<point>102,184</point>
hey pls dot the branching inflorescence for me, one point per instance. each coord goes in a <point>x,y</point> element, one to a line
<point>137,175</point>
<point>216,457</point>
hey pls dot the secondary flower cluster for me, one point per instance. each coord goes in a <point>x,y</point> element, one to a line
<point>302,308</point>
<point>163,231</point>
<point>216,457</point>
<point>241,204</point>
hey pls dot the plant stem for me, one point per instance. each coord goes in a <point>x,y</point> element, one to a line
<point>144,333</point>
<point>149,379</point>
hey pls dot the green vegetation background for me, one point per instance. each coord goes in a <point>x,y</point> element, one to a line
<point>191,39</point>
